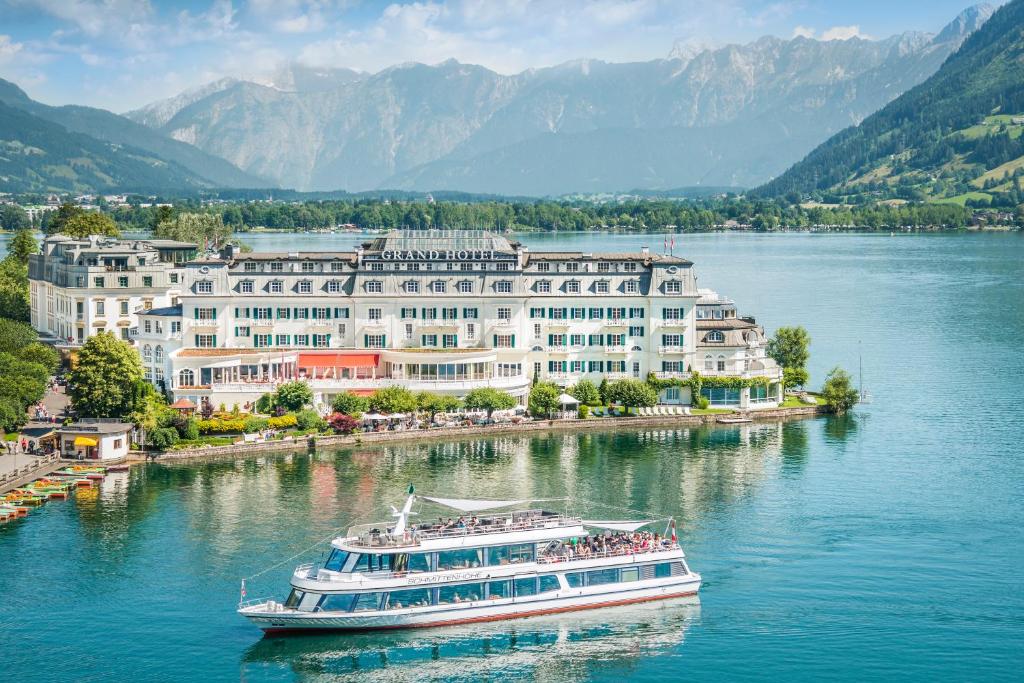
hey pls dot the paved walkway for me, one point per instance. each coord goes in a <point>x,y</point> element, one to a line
<point>54,401</point>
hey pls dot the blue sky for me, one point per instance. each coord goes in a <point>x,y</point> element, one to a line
<point>121,54</point>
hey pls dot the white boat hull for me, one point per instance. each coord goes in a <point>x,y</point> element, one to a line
<point>273,618</point>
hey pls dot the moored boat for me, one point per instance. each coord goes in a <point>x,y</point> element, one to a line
<point>493,567</point>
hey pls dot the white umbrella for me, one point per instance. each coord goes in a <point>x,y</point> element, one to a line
<point>374,416</point>
<point>567,400</point>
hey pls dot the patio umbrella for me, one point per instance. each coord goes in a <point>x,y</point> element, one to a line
<point>567,400</point>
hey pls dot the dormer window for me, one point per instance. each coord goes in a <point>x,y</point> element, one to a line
<point>601,287</point>
<point>245,287</point>
<point>715,336</point>
<point>204,287</point>
<point>412,287</point>
<point>544,286</point>
<point>440,286</point>
<point>629,267</point>
<point>276,286</point>
<point>632,286</point>
<point>308,266</point>
<point>305,286</point>
<point>336,266</point>
<point>250,266</point>
<point>375,287</point>
<point>465,287</point>
<point>673,287</point>
<point>503,286</point>
<point>334,286</point>
<point>543,267</point>
<point>572,287</point>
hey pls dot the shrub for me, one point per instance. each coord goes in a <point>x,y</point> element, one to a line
<point>543,399</point>
<point>350,404</point>
<point>283,422</point>
<point>294,395</point>
<point>265,404</point>
<point>586,393</point>
<point>584,411</point>
<point>188,428</point>
<point>342,423</point>
<point>309,419</point>
<point>701,402</point>
<point>162,438</point>
<point>838,391</point>
<point>393,400</point>
<point>253,424</point>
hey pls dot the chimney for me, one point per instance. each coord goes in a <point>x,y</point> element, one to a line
<point>229,251</point>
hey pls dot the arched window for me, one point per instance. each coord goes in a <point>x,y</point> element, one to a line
<point>716,336</point>
<point>186,378</point>
<point>158,355</point>
<point>709,362</point>
<point>147,352</point>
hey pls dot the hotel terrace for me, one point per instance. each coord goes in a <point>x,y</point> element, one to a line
<point>442,311</point>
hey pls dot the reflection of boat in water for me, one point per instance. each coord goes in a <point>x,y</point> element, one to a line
<point>553,645</point>
<point>496,567</point>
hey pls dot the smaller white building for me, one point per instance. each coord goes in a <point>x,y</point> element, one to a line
<point>95,440</point>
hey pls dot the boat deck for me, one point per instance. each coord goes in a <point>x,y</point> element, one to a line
<point>380,536</point>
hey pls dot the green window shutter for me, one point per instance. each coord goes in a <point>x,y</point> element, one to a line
<point>494,343</point>
<point>513,340</point>
<point>236,312</point>
<point>366,340</point>
<point>214,313</point>
<point>214,341</point>
<point>195,313</point>
<point>384,341</point>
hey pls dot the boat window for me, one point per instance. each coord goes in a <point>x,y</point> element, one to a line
<point>336,561</point>
<point>367,602</point>
<point>419,562</point>
<point>527,586</point>
<point>663,570</point>
<point>602,576</point>
<point>549,583</point>
<point>399,562</point>
<point>466,592</point>
<point>370,563</point>
<point>417,597</point>
<point>510,554</point>
<point>460,559</point>
<point>499,589</point>
<point>294,598</point>
<point>335,603</point>
<point>575,579</point>
<point>630,574</point>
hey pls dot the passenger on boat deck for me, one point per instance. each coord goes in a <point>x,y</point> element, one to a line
<point>461,523</point>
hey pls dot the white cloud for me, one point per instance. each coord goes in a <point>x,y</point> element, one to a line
<point>803,32</point>
<point>844,33</point>
<point>8,49</point>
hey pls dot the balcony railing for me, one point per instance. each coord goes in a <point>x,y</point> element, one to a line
<point>615,348</point>
<point>672,374</point>
<point>616,322</point>
<point>672,349</point>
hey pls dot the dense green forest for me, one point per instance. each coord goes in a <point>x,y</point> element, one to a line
<point>956,137</point>
<point>640,215</point>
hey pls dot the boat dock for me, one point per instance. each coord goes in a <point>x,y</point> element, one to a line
<point>16,471</point>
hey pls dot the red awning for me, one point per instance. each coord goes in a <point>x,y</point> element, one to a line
<point>338,360</point>
<point>362,392</point>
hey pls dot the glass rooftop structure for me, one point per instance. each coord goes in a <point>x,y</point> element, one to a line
<point>425,240</point>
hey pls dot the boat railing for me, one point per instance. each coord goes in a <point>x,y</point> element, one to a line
<point>307,571</point>
<point>379,535</point>
<point>255,601</point>
<point>573,556</point>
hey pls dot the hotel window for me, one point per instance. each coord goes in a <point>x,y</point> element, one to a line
<point>504,341</point>
<point>428,340</point>
<point>262,313</point>
<point>716,336</point>
<point>408,331</point>
<point>302,340</point>
<point>334,286</point>
<point>243,331</point>
<point>503,286</point>
<point>122,281</point>
<point>123,307</point>
<point>186,378</point>
<point>536,312</point>
<point>470,331</point>
<point>305,287</point>
<point>616,366</point>
<point>536,329</point>
<point>412,287</point>
<point>721,364</point>
<point>637,313</point>
<point>283,340</point>
<point>543,267</point>
<point>175,327</point>
<point>204,287</point>
<point>373,313</point>
<point>245,287</point>
<point>205,313</point>
<point>158,353</point>
<point>412,266</point>
<point>206,341</point>
<point>576,366</point>
<point>629,267</point>
<point>557,313</point>
<point>576,339</point>
<point>616,313</point>
<point>572,267</point>
<point>336,267</point>
<point>709,362</point>
<point>440,287</point>
<point>147,325</point>
<point>504,265</point>
<point>98,282</point>
<point>408,313</point>
<point>636,331</point>
<point>601,287</point>
<point>377,266</point>
<point>308,267</point>
<point>284,313</point>
<point>595,366</point>
<point>147,352</point>
<point>509,369</point>
<point>595,340</point>
<point>147,280</point>
<point>100,308</point>
<point>469,313</point>
<point>341,329</point>
<point>449,341</point>
<point>504,314</point>
<point>174,278</point>
<point>321,341</point>
<point>572,287</point>
<point>158,375</point>
<point>374,286</point>
<point>147,373</point>
<point>672,366</point>
<point>250,266</point>
<point>672,313</point>
<point>276,267</point>
<point>465,266</point>
<point>430,314</point>
<point>449,313</point>
<point>301,313</point>
<point>321,313</point>
<point>671,340</point>
<point>673,287</point>
<point>544,286</point>
<point>632,286</point>
<point>577,313</point>
<point>465,287</point>
<point>718,314</point>
<point>261,341</point>
<point>595,313</point>
<point>159,327</point>
<point>341,313</point>
<point>604,267</point>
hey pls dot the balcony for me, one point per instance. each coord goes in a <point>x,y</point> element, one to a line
<point>671,349</point>
<point>672,374</point>
<point>439,325</point>
<point>418,384</point>
<point>676,324</point>
<point>503,323</point>
<point>561,324</point>
<point>616,348</point>
<point>617,375</point>
<point>204,324</point>
<point>557,348</point>
<point>616,322</point>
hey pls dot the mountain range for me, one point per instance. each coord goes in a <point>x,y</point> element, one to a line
<point>959,136</point>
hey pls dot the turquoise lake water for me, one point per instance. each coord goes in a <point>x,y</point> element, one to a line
<point>880,545</point>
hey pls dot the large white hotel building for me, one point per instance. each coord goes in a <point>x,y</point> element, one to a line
<point>442,311</point>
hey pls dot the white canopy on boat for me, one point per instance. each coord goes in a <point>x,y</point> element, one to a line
<point>468,505</point>
<point>567,400</point>
<point>617,525</point>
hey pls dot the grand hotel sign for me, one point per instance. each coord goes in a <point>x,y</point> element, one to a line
<point>437,255</point>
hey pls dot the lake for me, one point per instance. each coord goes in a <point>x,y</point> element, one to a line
<point>882,544</point>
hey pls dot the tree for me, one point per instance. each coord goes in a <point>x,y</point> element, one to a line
<point>790,349</point>
<point>103,382</point>
<point>794,377</point>
<point>432,403</point>
<point>90,223</point>
<point>543,399</point>
<point>602,391</point>
<point>15,335</point>
<point>489,399</point>
<point>41,354</point>
<point>294,396</point>
<point>13,217</point>
<point>393,400</point>
<point>348,403</point>
<point>586,393</point>
<point>22,246</point>
<point>265,404</point>
<point>632,393</point>
<point>838,391</point>
<point>342,423</point>
<point>14,296</point>
<point>54,223</point>
<point>197,228</point>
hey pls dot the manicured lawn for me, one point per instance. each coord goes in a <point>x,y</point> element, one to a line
<point>795,402</point>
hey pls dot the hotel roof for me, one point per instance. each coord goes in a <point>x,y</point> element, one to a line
<point>608,256</point>
<point>171,311</point>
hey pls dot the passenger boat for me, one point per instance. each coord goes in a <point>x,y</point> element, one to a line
<point>497,566</point>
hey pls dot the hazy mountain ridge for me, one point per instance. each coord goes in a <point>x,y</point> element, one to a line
<point>743,114</point>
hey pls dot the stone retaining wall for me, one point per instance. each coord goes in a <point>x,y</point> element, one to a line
<point>600,424</point>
